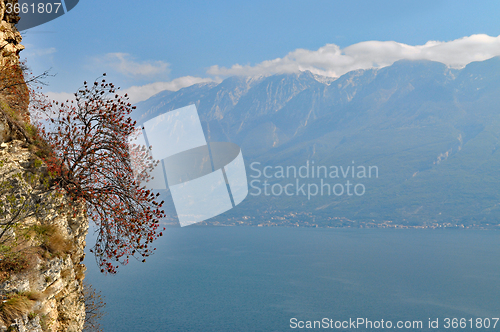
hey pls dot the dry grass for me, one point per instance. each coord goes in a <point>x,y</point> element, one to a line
<point>17,257</point>
<point>34,295</point>
<point>15,307</point>
<point>58,244</point>
<point>53,240</point>
<point>65,273</point>
<point>18,305</point>
<point>12,262</point>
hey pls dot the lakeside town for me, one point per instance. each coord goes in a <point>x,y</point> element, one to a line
<point>308,219</point>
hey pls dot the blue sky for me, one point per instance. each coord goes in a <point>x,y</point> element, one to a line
<point>171,44</point>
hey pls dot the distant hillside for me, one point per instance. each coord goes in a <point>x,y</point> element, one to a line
<point>433,133</point>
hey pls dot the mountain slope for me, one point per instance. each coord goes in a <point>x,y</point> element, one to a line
<point>433,132</point>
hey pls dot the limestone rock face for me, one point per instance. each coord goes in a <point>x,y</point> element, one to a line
<point>12,89</point>
<point>9,36</point>
<point>59,279</point>
<point>53,282</point>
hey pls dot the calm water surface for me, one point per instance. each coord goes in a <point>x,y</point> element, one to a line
<point>257,279</point>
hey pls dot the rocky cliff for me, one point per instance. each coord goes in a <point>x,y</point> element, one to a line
<point>41,275</point>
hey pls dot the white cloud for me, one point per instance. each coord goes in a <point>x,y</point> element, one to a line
<point>329,60</point>
<point>143,92</point>
<point>332,61</point>
<point>140,93</point>
<point>125,64</point>
<point>38,52</point>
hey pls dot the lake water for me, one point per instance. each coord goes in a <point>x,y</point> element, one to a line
<point>257,279</point>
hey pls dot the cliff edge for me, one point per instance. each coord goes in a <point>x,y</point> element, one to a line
<point>41,274</point>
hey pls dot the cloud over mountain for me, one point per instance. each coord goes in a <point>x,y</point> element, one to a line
<point>126,65</point>
<point>330,60</point>
<point>143,92</point>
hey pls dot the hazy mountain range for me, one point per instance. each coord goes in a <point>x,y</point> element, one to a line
<point>433,132</point>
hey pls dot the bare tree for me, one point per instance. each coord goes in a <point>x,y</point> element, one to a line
<point>94,308</point>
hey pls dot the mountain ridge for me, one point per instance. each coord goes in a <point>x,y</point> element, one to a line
<point>428,127</point>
